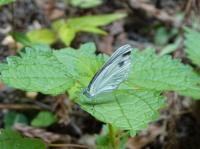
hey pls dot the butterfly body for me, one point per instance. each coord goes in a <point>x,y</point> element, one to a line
<point>113,72</point>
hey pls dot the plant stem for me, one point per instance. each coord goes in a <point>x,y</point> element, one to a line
<point>113,139</point>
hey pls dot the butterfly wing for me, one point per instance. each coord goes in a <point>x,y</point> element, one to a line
<point>113,72</point>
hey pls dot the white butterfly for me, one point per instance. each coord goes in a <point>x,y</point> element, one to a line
<point>113,72</point>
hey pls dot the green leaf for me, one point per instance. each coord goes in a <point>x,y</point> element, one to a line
<point>37,69</point>
<point>192,44</point>
<point>94,20</point>
<point>44,119</point>
<point>12,140</point>
<point>171,47</point>
<point>85,3</point>
<point>4,2</point>
<point>44,36</point>
<point>161,73</point>
<point>161,36</point>
<point>10,118</point>
<point>21,38</point>
<point>66,34</point>
<point>125,109</point>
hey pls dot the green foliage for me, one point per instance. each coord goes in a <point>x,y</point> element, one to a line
<point>12,140</point>
<point>68,29</point>
<point>192,44</point>
<point>4,2</point>
<point>85,3</point>
<point>161,73</point>
<point>43,119</point>
<point>44,36</point>
<point>12,117</point>
<point>110,138</point>
<point>21,38</point>
<point>133,105</point>
<point>36,69</point>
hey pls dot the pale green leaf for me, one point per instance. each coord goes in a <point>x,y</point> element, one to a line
<point>85,3</point>
<point>161,73</point>
<point>192,44</point>
<point>4,2</point>
<point>36,69</point>
<point>12,140</point>
<point>66,34</point>
<point>95,30</point>
<point>94,20</point>
<point>44,36</point>
<point>131,109</point>
<point>43,119</point>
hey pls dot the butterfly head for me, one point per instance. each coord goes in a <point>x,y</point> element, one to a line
<point>88,93</point>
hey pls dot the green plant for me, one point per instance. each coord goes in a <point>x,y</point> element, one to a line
<point>4,2</point>
<point>67,29</point>
<point>131,107</point>
<point>84,3</point>
<point>12,140</point>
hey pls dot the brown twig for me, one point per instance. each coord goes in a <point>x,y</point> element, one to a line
<point>155,12</point>
<point>19,106</point>
<point>48,137</point>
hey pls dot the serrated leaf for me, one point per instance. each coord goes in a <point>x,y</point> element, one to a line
<point>131,109</point>
<point>192,44</point>
<point>10,118</point>
<point>66,34</point>
<point>43,119</point>
<point>44,36</point>
<point>12,140</point>
<point>36,69</point>
<point>161,73</point>
<point>4,2</point>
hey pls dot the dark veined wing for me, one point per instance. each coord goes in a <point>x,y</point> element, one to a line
<point>113,72</point>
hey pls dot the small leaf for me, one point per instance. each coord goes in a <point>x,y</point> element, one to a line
<point>66,34</point>
<point>43,119</point>
<point>4,2</point>
<point>192,44</point>
<point>12,140</point>
<point>21,38</point>
<point>94,20</point>
<point>170,47</point>
<point>11,118</point>
<point>161,36</point>
<point>44,36</point>
<point>85,3</point>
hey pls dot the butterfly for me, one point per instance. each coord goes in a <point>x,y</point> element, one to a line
<point>112,74</point>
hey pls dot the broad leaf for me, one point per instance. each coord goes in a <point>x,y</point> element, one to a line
<point>44,36</point>
<point>12,140</point>
<point>36,69</point>
<point>162,73</point>
<point>131,109</point>
<point>43,119</point>
<point>192,44</point>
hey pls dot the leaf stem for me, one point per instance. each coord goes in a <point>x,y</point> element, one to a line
<point>112,135</point>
